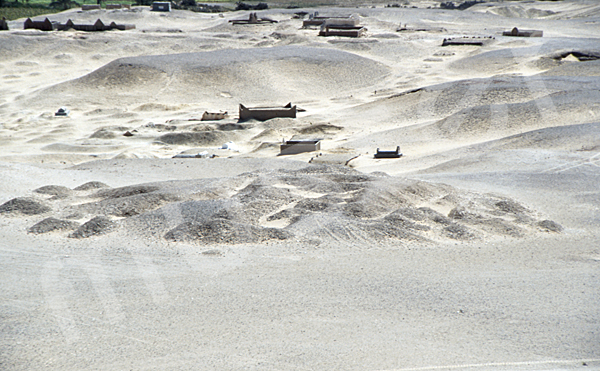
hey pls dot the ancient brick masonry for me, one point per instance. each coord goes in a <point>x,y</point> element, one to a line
<point>46,25</point>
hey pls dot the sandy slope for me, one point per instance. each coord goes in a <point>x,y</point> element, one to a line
<point>478,248</point>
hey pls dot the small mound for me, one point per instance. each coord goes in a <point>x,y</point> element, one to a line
<point>126,191</point>
<point>231,127</point>
<point>52,224</point>
<point>127,206</point>
<point>550,226</point>
<point>517,11</point>
<point>201,138</point>
<point>91,185</point>
<point>224,231</point>
<point>320,129</point>
<point>398,219</point>
<point>54,190</point>
<point>157,107</point>
<point>578,55</point>
<point>587,68</point>
<point>94,227</point>
<point>509,206</point>
<point>495,225</point>
<point>458,232</point>
<point>25,206</point>
<point>110,132</point>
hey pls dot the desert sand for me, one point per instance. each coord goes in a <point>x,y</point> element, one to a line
<point>477,249</point>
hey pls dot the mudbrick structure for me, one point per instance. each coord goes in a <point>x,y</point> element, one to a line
<point>46,25</point>
<point>266,113</point>
<point>348,27</point>
<point>253,19</point>
<point>388,154</point>
<point>292,147</point>
<point>346,31</point>
<point>523,33</point>
<point>212,116</point>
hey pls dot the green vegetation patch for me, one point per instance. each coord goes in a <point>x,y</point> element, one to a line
<point>15,13</point>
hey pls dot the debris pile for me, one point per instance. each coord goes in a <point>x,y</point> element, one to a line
<point>318,203</point>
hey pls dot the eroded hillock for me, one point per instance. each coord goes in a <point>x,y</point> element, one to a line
<point>318,203</point>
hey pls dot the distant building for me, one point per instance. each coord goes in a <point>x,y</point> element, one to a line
<point>523,33</point>
<point>161,6</point>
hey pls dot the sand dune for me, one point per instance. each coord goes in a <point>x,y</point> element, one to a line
<point>565,10</point>
<point>285,73</point>
<point>562,138</point>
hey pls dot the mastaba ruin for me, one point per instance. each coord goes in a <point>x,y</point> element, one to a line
<point>345,31</point>
<point>337,26</point>
<point>292,146</point>
<point>388,154</point>
<point>266,113</point>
